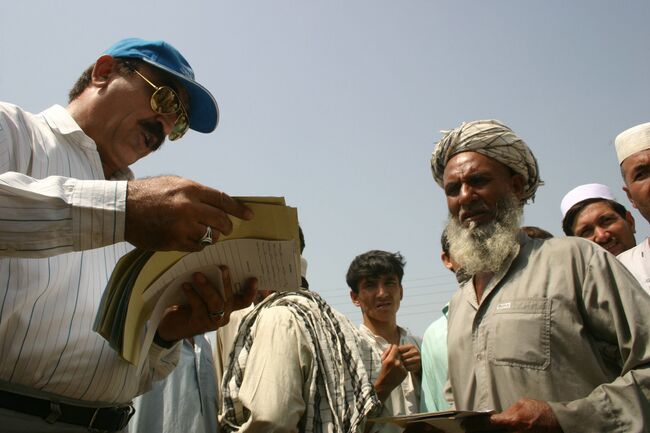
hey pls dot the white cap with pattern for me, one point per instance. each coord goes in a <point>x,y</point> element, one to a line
<point>632,140</point>
<point>584,192</point>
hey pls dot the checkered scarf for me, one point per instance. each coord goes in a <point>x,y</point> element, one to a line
<point>490,138</point>
<point>341,396</point>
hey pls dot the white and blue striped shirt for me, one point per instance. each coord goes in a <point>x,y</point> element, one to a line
<point>61,234</point>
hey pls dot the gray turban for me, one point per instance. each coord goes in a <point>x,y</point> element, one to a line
<point>493,139</point>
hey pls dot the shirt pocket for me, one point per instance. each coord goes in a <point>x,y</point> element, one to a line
<point>520,334</point>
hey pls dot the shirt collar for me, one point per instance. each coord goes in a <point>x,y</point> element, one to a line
<point>368,331</point>
<point>61,121</point>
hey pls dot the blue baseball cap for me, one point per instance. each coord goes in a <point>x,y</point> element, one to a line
<point>203,109</point>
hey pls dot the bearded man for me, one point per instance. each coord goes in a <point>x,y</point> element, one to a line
<point>550,334</point>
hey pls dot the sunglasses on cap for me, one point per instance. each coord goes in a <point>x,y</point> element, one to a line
<point>166,101</point>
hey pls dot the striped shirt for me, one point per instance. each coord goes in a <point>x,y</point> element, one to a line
<point>405,398</point>
<point>61,234</point>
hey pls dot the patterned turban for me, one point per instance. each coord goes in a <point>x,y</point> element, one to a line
<point>493,139</point>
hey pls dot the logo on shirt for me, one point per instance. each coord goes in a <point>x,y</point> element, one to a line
<point>504,306</point>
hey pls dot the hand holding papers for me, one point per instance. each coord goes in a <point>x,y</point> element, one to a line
<point>144,284</point>
<point>450,421</point>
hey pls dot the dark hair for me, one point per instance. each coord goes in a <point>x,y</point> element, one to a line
<point>536,232</point>
<point>444,242</point>
<point>301,236</point>
<point>374,264</point>
<point>569,218</point>
<point>124,66</point>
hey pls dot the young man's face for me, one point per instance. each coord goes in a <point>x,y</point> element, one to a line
<point>636,171</point>
<point>379,298</point>
<point>599,223</point>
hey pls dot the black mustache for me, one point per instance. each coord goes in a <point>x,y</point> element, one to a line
<point>155,129</point>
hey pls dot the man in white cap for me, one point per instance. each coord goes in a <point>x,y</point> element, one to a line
<point>591,212</point>
<point>633,152</point>
<point>552,334</point>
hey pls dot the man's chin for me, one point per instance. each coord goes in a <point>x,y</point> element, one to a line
<point>616,249</point>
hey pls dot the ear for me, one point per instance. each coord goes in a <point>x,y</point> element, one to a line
<point>354,297</point>
<point>102,71</point>
<point>401,292</point>
<point>629,197</point>
<point>630,220</point>
<point>446,261</point>
<point>518,184</point>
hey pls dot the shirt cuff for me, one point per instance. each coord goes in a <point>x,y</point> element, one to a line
<point>98,212</point>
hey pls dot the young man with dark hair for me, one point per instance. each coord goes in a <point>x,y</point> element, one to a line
<point>375,280</point>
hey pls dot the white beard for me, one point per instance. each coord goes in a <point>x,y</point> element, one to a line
<point>485,248</point>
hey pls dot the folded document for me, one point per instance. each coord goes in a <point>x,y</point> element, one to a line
<point>145,283</point>
<point>449,421</point>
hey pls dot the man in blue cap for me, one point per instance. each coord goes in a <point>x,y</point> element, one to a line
<point>70,208</point>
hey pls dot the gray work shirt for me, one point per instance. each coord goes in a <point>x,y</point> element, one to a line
<point>564,322</point>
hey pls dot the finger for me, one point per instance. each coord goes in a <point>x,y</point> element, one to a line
<point>501,420</point>
<point>216,218</point>
<point>227,204</point>
<point>410,361</point>
<point>227,292</point>
<point>405,348</point>
<point>202,233</point>
<point>393,352</point>
<point>208,293</point>
<point>245,297</point>
<point>197,309</point>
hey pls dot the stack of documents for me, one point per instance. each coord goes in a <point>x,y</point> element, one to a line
<point>145,283</point>
<point>449,421</point>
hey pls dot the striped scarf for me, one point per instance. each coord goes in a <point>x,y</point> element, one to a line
<point>341,396</point>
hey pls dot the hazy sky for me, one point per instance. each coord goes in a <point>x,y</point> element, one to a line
<point>336,105</point>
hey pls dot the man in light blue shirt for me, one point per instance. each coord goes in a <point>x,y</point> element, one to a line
<point>185,401</point>
<point>434,365</point>
<point>434,352</point>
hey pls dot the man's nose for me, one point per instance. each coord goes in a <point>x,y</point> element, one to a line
<point>466,194</point>
<point>601,235</point>
<point>381,289</point>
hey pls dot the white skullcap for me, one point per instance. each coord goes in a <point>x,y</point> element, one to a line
<point>632,140</point>
<point>582,193</point>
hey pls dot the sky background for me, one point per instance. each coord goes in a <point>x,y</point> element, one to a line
<point>337,105</point>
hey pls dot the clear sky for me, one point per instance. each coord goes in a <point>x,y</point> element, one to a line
<point>336,105</point>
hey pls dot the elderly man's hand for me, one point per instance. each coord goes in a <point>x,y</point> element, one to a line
<point>183,321</point>
<point>529,416</point>
<point>173,213</point>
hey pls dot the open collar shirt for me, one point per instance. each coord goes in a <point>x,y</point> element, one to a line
<point>61,233</point>
<point>637,260</point>
<point>563,322</point>
<point>405,398</point>
<point>186,400</point>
